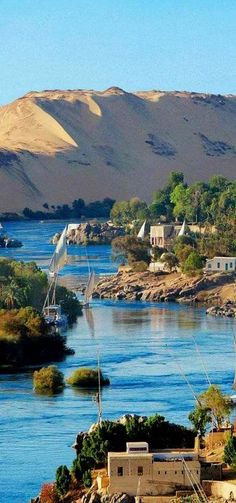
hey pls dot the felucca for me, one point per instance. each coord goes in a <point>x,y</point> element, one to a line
<point>52,311</point>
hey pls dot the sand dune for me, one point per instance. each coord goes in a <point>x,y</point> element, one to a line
<point>57,146</point>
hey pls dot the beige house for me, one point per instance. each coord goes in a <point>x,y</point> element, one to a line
<point>221,264</point>
<point>139,472</point>
<point>162,235</point>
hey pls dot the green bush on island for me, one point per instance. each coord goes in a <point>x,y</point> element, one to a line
<point>87,378</point>
<point>48,379</point>
<point>26,339</point>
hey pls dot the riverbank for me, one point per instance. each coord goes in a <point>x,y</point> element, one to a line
<point>212,289</point>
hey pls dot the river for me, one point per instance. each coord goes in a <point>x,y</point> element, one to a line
<point>142,347</point>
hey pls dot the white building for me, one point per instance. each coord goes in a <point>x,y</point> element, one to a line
<point>221,264</point>
<point>140,472</point>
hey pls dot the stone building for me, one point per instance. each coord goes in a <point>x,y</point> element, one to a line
<point>140,472</point>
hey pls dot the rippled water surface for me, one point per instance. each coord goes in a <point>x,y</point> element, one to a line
<point>143,348</point>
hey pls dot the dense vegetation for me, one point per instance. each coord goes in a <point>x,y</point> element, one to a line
<point>205,203</point>
<point>48,380</point>
<point>87,378</point>
<point>24,336</point>
<point>200,202</point>
<point>78,209</point>
<point>25,339</point>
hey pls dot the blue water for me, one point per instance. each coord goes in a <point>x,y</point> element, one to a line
<point>142,347</point>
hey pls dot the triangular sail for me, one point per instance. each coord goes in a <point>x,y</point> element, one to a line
<point>182,230</point>
<point>141,233</point>
<point>59,257</point>
<point>89,287</point>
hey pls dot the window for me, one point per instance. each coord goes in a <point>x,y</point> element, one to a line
<point>226,267</point>
<point>209,266</point>
<point>175,473</point>
<point>120,471</point>
<point>231,265</point>
<point>140,471</point>
<point>165,473</point>
<point>218,265</point>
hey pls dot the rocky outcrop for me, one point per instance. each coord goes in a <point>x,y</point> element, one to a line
<point>92,233</point>
<point>96,497</point>
<point>164,287</point>
<point>228,309</point>
<point>6,242</point>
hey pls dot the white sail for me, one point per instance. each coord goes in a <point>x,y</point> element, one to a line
<point>141,233</point>
<point>89,287</point>
<point>59,257</point>
<point>182,230</point>
<point>1,226</point>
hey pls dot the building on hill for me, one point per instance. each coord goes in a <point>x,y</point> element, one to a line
<point>221,264</point>
<point>163,235</point>
<point>140,472</point>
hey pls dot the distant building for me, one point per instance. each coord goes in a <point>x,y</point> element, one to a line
<point>140,472</point>
<point>221,264</point>
<point>162,235</point>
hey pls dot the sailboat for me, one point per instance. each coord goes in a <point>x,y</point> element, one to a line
<point>182,230</point>
<point>1,227</point>
<point>51,311</point>
<point>89,289</point>
<point>141,233</point>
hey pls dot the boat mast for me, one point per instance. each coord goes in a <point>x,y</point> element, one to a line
<point>99,396</point>
<point>234,383</point>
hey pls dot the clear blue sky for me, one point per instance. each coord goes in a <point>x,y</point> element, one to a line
<point>133,44</point>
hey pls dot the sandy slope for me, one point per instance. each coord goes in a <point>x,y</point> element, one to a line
<point>56,146</point>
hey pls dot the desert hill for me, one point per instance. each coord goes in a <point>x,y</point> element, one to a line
<point>57,146</point>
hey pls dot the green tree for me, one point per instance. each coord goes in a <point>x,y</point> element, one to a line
<point>131,248</point>
<point>170,260</point>
<point>63,480</point>
<point>48,380</point>
<point>193,263</point>
<point>217,403</point>
<point>200,417</point>
<point>229,456</point>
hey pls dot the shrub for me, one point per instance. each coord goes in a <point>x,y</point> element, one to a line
<point>48,494</point>
<point>230,451</point>
<point>193,263</point>
<point>63,480</point>
<point>87,479</point>
<point>48,379</point>
<point>87,378</point>
<point>140,266</point>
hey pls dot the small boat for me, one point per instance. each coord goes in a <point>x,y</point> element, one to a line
<point>89,290</point>
<point>1,227</point>
<point>54,316</point>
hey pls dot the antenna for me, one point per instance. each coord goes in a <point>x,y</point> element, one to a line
<point>202,361</point>
<point>183,375</point>
<point>99,397</point>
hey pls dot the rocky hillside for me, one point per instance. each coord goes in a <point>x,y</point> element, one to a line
<point>215,288</point>
<point>57,146</point>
